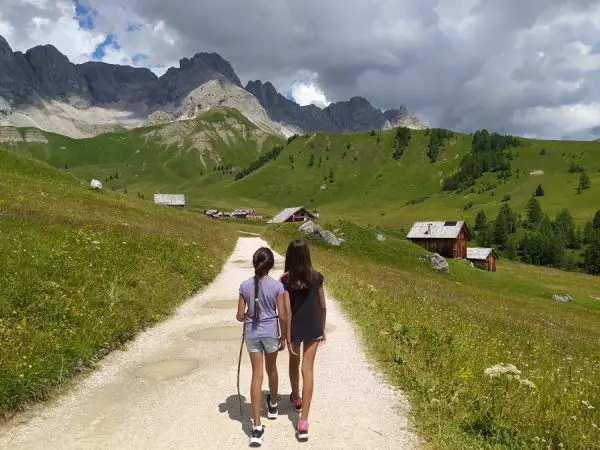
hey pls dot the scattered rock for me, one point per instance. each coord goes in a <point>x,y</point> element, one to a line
<point>330,238</point>
<point>309,227</point>
<point>536,173</point>
<point>563,298</point>
<point>380,237</point>
<point>438,263</point>
<point>95,184</point>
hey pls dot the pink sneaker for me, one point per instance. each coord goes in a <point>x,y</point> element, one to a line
<point>296,403</point>
<point>302,430</point>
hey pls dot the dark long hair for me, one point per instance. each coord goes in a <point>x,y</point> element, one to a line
<point>263,261</point>
<point>299,266</point>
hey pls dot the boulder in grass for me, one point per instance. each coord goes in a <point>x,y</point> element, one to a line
<point>380,237</point>
<point>438,262</point>
<point>562,298</point>
<point>95,184</point>
<point>309,227</point>
<point>330,238</point>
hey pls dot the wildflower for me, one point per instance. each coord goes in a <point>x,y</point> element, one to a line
<point>574,417</point>
<point>526,382</point>
<point>501,369</point>
<point>587,404</point>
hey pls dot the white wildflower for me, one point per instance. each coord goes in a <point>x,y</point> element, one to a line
<point>95,242</point>
<point>587,404</point>
<point>501,369</point>
<point>526,382</point>
<point>574,417</point>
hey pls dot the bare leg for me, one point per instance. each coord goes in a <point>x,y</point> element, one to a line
<point>308,364</point>
<point>272,375</point>
<point>295,370</point>
<point>256,358</point>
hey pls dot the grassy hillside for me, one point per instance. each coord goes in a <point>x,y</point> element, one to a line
<point>369,186</point>
<point>82,271</point>
<point>164,158</point>
<point>436,334</point>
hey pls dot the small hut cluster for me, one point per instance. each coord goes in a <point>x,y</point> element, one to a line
<point>450,240</point>
<point>248,214</point>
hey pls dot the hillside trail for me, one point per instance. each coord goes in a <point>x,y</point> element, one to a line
<point>174,387</point>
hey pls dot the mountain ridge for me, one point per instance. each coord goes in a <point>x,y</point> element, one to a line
<point>90,98</point>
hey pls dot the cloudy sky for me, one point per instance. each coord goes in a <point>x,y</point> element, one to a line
<point>529,67</point>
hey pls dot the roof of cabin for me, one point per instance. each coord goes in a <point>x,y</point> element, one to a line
<point>479,253</point>
<point>436,230</point>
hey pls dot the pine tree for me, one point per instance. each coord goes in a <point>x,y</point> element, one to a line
<point>485,238</point>
<point>543,151</point>
<point>539,192</point>
<point>584,181</point>
<point>311,161</point>
<point>480,221</point>
<point>596,222</point>
<point>331,179</point>
<point>565,225</point>
<point>500,230</point>
<point>510,216</point>
<point>591,259</point>
<point>535,215</point>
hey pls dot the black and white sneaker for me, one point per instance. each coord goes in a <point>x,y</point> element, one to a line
<point>272,409</point>
<point>256,438</point>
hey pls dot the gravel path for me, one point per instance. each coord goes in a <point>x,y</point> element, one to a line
<point>175,387</point>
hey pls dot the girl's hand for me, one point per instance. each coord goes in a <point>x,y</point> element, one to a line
<point>281,344</point>
<point>323,339</point>
<point>241,317</point>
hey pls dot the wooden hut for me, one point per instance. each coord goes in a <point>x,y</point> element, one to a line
<point>295,214</point>
<point>449,238</point>
<point>483,258</point>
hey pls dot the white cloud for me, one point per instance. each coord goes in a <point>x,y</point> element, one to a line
<point>6,29</point>
<point>305,91</point>
<point>565,119</point>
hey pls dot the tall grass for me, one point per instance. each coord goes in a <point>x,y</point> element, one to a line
<point>435,335</point>
<point>82,272</point>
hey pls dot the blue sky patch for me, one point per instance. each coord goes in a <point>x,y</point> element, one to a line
<point>109,42</point>
<point>85,15</point>
<point>132,27</point>
<point>139,58</point>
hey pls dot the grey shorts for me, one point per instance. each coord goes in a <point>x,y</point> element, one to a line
<point>262,345</point>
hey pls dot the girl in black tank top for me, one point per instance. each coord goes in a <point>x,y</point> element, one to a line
<point>304,286</point>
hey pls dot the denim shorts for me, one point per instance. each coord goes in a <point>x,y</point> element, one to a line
<point>262,345</point>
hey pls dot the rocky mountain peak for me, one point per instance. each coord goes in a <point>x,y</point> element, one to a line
<point>210,62</point>
<point>5,49</point>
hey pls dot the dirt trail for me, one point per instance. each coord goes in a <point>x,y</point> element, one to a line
<point>174,387</point>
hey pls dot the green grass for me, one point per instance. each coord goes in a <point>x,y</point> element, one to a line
<point>175,158</point>
<point>435,334</point>
<point>83,271</point>
<point>369,186</point>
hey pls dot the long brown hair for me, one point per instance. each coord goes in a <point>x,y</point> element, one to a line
<point>263,261</point>
<point>298,265</point>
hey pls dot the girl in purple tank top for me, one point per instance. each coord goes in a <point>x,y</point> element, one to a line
<point>262,308</point>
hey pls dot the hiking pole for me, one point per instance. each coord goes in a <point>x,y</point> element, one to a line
<point>240,365</point>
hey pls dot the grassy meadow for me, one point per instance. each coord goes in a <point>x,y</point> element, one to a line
<point>83,271</point>
<point>434,335</point>
<point>368,186</point>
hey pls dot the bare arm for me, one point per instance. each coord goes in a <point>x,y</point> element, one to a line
<point>323,308</point>
<point>241,309</point>
<point>282,313</point>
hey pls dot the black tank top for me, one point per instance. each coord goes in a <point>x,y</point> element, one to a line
<point>306,312</point>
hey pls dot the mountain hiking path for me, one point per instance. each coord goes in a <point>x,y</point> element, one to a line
<point>174,387</point>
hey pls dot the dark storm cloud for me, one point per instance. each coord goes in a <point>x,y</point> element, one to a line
<point>513,65</point>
